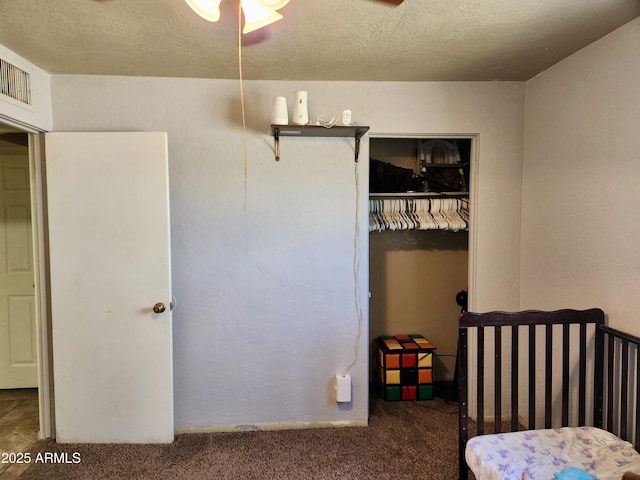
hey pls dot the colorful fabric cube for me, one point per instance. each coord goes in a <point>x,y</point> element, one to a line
<point>404,367</point>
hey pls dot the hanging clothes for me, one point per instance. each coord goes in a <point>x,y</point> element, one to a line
<point>418,214</point>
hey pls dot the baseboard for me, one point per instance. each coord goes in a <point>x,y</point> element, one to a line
<point>259,427</point>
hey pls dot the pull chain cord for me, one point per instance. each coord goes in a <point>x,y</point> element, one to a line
<point>244,124</point>
<point>356,268</point>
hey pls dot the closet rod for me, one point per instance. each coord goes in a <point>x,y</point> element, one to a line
<point>420,195</point>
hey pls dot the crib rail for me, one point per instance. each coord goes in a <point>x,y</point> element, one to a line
<point>539,331</point>
<point>622,384</point>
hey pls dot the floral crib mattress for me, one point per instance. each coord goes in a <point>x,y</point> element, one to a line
<point>543,453</point>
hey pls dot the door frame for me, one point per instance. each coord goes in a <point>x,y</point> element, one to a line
<point>37,177</point>
<point>41,274</point>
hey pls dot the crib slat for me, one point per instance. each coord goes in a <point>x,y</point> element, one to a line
<point>565,374</point>
<point>548,376</point>
<point>532,376</point>
<point>582,377</point>
<point>515,367</point>
<point>498,378</point>
<point>480,376</point>
<point>610,359</point>
<point>636,440</point>
<point>624,385</point>
<point>463,420</point>
<point>598,374</point>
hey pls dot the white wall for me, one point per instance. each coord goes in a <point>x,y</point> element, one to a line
<point>36,116</point>
<point>265,310</point>
<point>581,182</point>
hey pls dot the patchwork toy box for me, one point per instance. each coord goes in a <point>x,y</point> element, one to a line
<point>403,367</point>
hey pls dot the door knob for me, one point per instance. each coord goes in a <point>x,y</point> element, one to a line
<point>159,307</point>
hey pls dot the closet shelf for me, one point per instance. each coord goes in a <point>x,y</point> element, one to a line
<point>420,195</point>
<point>444,165</point>
<point>355,131</point>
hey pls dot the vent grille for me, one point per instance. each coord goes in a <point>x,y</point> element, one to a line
<point>15,82</point>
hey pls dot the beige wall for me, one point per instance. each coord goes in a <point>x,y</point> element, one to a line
<point>581,182</point>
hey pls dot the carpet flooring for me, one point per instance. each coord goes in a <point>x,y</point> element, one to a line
<point>404,440</point>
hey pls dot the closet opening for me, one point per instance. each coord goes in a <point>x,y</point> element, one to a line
<point>419,197</point>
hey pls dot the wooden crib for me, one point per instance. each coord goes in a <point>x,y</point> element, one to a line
<point>569,370</point>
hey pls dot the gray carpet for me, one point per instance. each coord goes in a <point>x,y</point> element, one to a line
<point>404,440</point>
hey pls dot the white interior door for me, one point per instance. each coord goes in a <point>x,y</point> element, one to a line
<point>108,211</point>
<point>18,339</point>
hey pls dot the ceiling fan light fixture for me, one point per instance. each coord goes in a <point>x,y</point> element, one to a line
<point>257,16</point>
<point>207,9</point>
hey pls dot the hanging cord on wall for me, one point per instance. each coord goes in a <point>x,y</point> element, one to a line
<point>356,269</point>
<point>244,124</point>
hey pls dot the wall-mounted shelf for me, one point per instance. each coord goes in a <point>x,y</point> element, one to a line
<point>356,132</point>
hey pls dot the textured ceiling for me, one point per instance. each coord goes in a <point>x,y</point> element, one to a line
<point>418,40</point>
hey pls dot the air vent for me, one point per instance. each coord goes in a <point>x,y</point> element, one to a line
<point>15,82</point>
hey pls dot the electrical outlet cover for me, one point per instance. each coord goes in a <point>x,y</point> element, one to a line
<point>343,388</point>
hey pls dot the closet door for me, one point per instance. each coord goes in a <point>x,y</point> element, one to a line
<point>18,338</point>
